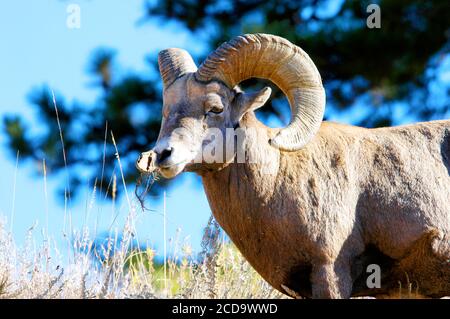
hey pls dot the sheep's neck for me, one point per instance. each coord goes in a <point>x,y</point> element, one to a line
<point>240,201</point>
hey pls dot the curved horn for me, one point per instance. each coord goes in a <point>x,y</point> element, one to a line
<point>174,63</point>
<point>278,60</point>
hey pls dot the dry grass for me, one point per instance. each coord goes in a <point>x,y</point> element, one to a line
<point>39,272</point>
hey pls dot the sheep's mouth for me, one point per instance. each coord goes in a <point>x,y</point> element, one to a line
<point>172,165</point>
<point>172,170</point>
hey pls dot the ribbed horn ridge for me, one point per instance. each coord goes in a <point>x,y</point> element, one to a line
<point>285,64</point>
<point>174,63</point>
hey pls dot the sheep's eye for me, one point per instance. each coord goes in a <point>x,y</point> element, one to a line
<point>216,110</point>
<point>213,105</point>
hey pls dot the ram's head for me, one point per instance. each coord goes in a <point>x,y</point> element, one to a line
<point>204,100</point>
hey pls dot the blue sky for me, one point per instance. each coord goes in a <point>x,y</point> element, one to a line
<point>37,48</point>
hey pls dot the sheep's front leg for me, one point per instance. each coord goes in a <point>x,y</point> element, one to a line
<point>331,281</point>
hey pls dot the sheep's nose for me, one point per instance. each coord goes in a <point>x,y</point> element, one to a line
<point>164,155</point>
<point>146,162</point>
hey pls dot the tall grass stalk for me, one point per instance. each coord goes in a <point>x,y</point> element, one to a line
<point>13,206</point>
<point>67,191</point>
<point>44,168</point>
<point>165,242</point>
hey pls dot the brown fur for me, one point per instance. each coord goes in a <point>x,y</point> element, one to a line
<point>313,219</point>
<point>351,188</point>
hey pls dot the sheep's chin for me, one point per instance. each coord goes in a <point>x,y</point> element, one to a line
<point>172,171</point>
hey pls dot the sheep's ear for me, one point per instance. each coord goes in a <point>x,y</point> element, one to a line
<point>252,101</point>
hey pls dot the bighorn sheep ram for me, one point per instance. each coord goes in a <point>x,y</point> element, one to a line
<point>337,198</point>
